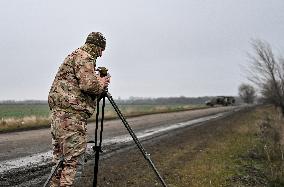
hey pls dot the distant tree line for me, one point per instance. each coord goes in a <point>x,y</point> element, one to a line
<point>166,100</point>
<point>135,100</point>
<point>14,102</point>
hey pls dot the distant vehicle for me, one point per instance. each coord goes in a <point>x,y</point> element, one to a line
<point>221,100</point>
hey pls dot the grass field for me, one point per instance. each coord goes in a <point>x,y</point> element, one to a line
<point>28,116</point>
<point>23,110</point>
<point>241,150</point>
<point>250,154</point>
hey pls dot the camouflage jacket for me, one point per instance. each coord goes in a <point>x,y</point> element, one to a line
<point>76,86</point>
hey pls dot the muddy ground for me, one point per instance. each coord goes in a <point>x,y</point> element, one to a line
<point>129,168</point>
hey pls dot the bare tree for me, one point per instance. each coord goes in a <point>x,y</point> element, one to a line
<point>247,93</point>
<point>267,73</point>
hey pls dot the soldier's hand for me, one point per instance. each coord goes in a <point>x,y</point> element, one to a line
<point>108,78</point>
<point>105,81</point>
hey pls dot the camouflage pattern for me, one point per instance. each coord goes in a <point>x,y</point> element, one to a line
<point>69,140</point>
<point>72,99</point>
<point>76,83</point>
<point>97,39</point>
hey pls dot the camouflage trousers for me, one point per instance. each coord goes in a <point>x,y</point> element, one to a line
<point>68,132</point>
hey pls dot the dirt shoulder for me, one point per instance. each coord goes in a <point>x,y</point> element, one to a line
<point>209,155</point>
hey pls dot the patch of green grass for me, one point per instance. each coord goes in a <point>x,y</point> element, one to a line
<point>23,110</point>
<point>235,159</point>
<point>28,116</point>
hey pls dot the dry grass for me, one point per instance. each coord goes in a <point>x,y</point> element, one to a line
<point>240,158</point>
<point>12,124</point>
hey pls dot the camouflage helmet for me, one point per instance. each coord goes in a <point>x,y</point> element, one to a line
<point>97,39</point>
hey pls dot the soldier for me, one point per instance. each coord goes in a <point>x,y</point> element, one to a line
<point>72,100</point>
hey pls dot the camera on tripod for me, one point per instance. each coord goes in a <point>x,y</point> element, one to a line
<point>103,71</point>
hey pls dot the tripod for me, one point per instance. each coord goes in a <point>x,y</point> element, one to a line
<point>97,147</point>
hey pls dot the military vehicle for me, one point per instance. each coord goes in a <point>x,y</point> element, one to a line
<point>221,100</point>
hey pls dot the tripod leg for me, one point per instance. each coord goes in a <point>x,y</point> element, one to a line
<point>97,122</point>
<point>102,122</point>
<point>97,147</point>
<point>54,170</point>
<point>134,137</point>
<point>96,168</point>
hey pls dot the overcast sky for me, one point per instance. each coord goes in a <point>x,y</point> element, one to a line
<point>154,48</point>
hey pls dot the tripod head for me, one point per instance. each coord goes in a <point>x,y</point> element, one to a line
<point>103,71</point>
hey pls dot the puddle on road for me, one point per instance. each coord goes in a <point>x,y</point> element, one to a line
<point>45,158</point>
